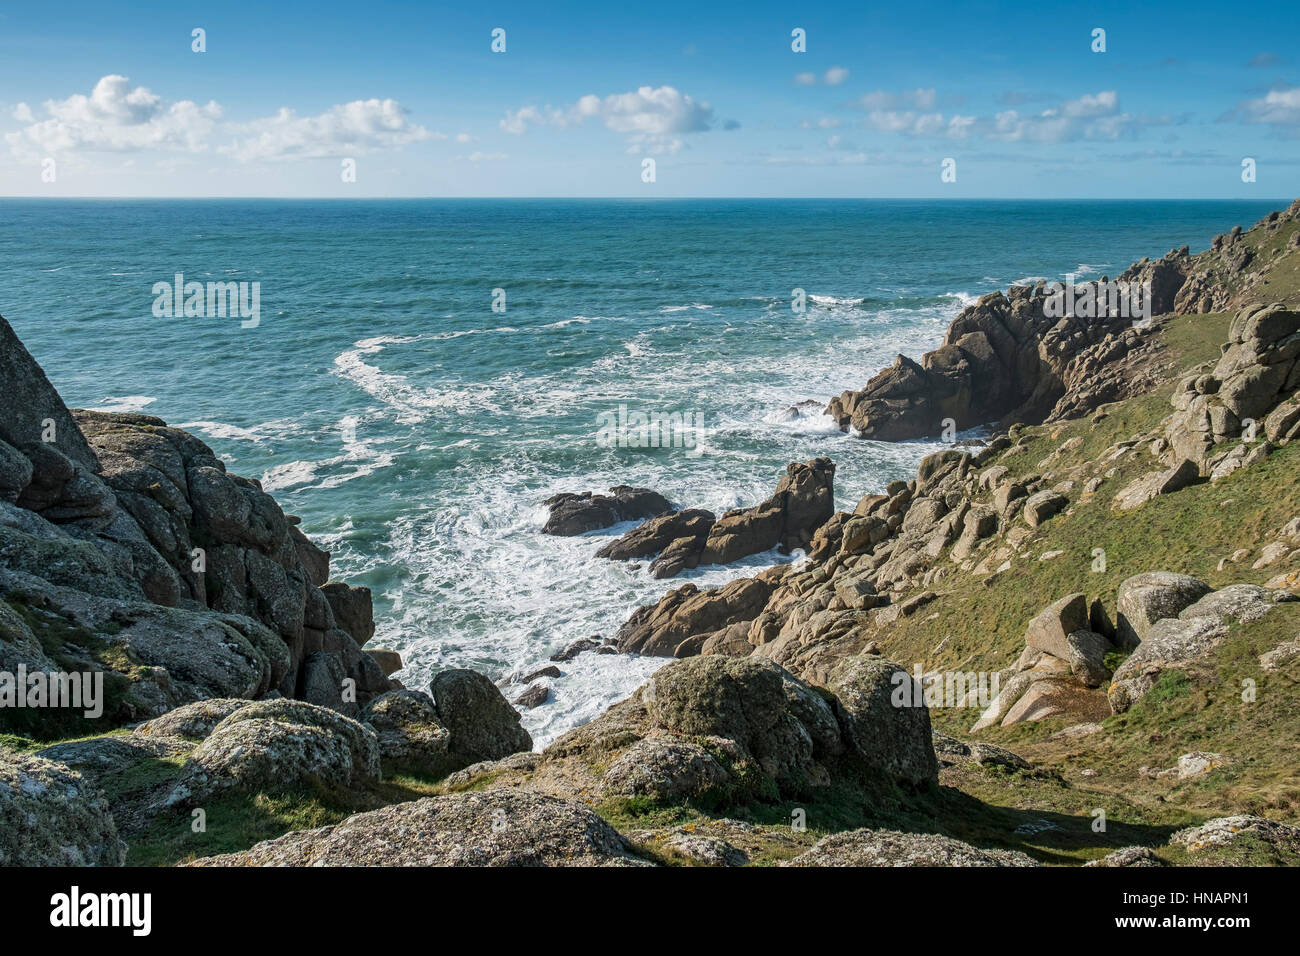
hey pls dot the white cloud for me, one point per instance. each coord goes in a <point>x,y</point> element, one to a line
<point>1092,116</point>
<point>805,79</point>
<point>1279,107</point>
<point>118,118</point>
<point>654,116</point>
<point>362,126</point>
<point>478,157</point>
<point>114,118</point>
<point>466,138</point>
<point>912,123</point>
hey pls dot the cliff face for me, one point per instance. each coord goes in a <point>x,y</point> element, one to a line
<point>1007,359</point>
<point>126,547</point>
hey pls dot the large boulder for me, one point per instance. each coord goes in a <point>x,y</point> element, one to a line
<point>50,815</point>
<point>664,769</point>
<point>491,828</point>
<point>1050,631</point>
<point>1146,598</point>
<point>410,735</point>
<point>481,722</point>
<point>775,720</point>
<point>883,712</point>
<point>279,745</point>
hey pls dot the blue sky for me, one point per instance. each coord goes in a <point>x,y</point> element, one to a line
<point>713,93</point>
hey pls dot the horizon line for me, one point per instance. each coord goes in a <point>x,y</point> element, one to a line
<point>665,198</point>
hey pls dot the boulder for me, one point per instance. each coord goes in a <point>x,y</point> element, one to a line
<point>574,514</point>
<point>409,733</point>
<point>192,721</point>
<point>1043,505</point>
<point>1050,630</point>
<point>892,737</point>
<point>663,769</point>
<point>50,815</point>
<point>278,745</point>
<point>1157,483</point>
<point>1146,598</point>
<point>482,724</point>
<point>353,609</point>
<point>688,612</point>
<point>490,828</point>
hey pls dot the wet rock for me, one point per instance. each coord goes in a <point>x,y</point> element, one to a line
<point>574,514</point>
<point>534,696</point>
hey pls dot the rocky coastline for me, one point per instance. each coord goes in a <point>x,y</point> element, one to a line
<point>236,670</point>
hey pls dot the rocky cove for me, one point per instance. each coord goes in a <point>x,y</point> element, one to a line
<point>237,670</point>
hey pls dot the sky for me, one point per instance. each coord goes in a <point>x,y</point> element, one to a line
<point>376,99</point>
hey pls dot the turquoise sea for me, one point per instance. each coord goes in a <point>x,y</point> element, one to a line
<point>416,430</point>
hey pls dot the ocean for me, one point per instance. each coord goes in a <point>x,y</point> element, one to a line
<point>416,430</point>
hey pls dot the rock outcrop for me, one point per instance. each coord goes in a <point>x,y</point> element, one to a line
<point>278,745</point>
<point>1254,387</point>
<point>1005,359</point>
<point>574,514</point>
<point>789,519</point>
<point>716,731</point>
<point>178,579</point>
<point>1178,642</point>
